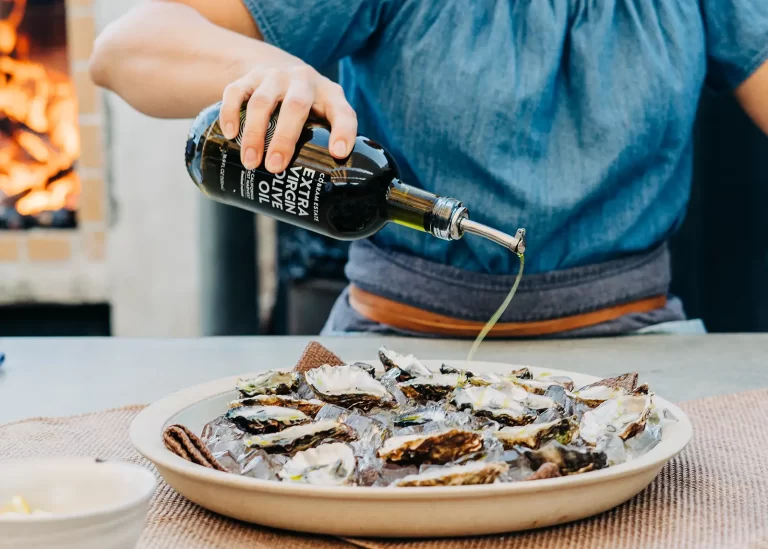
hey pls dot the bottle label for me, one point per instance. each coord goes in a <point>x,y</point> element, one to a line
<point>295,191</point>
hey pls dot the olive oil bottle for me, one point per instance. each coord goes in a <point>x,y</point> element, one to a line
<point>346,199</point>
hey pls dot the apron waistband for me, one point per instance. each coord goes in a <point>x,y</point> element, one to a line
<point>406,317</point>
<point>445,295</point>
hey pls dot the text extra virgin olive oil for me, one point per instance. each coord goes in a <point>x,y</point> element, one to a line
<point>345,199</point>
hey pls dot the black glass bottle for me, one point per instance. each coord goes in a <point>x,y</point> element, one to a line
<point>345,199</point>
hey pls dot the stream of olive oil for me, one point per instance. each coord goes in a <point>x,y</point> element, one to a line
<point>497,315</point>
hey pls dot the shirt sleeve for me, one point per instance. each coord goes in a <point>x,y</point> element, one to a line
<point>737,40</point>
<point>320,32</point>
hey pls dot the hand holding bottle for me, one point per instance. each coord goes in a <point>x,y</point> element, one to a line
<point>300,89</point>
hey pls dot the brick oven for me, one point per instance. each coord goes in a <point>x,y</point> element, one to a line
<point>111,233</point>
<point>52,169</point>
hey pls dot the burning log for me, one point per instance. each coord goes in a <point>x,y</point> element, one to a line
<point>39,139</point>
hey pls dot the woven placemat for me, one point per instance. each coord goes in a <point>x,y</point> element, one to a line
<point>714,495</point>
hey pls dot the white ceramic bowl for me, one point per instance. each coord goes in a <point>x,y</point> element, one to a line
<point>388,511</point>
<point>93,505</point>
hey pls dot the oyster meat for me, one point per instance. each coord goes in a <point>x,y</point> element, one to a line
<point>458,475</point>
<point>570,460</point>
<point>433,387</point>
<point>266,419</point>
<point>273,382</point>
<point>491,378</point>
<point>539,385</point>
<point>595,395</point>
<point>624,416</point>
<point>418,417</point>
<point>436,448</point>
<point>310,406</point>
<point>500,404</point>
<point>327,464</point>
<point>348,386</point>
<point>535,434</point>
<point>301,437</point>
<point>408,365</point>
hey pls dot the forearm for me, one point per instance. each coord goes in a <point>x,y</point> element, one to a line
<point>753,97</point>
<point>168,61</point>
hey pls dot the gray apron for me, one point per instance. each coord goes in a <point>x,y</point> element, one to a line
<point>473,296</point>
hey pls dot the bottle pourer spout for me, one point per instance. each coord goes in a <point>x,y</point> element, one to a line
<point>515,244</point>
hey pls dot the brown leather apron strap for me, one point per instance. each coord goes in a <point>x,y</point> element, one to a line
<point>405,317</point>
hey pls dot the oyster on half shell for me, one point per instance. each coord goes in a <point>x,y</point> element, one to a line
<point>309,406</point>
<point>327,464</point>
<point>348,386</point>
<point>266,419</point>
<point>539,385</point>
<point>409,365</point>
<point>533,435</point>
<point>596,393</point>
<point>491,378</point>
<point>301,437</point>
<point>434,387</point>
<point>570,460</point>
<point>418,417</point>
<point>273,382</point>
<point>500,404</point>
<point>459,475</point>
<point>437,448</point>
<point>624,415</point>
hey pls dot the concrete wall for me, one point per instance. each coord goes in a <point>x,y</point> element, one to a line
<point>152,243</point>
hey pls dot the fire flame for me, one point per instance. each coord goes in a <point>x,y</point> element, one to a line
<point>39,139</point>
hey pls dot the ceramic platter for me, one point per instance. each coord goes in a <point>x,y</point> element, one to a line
<point>388,511</point>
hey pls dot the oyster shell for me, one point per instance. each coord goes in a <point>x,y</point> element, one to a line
<point>437,448</point>
<point>433,387</point>
<point>309,407</point>
<point>367,367</point>
<point>448,369</point>
<point>273,382</point>
<point>613,387</point>
<point>627,381</point>
<point>501,405</point>
<point>348,386</point>
<point>458,475</point>
<point>302,437</point>
<point>535,434</point>
<point>569,459</point>
<point>625,416</point>
<point>266,419</point>
<point>327,464</point>
<point>409,366</point>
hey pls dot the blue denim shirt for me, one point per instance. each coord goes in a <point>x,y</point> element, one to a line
<point>572,118</point>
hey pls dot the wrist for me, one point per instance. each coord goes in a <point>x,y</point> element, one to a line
<point>262,56</point>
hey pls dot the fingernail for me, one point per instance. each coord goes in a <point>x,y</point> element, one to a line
<point>229,130</point>
<point>250,158</point>
<point>340,148</point>
<point>275,162</point>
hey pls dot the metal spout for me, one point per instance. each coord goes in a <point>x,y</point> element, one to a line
<point>515,244</point>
